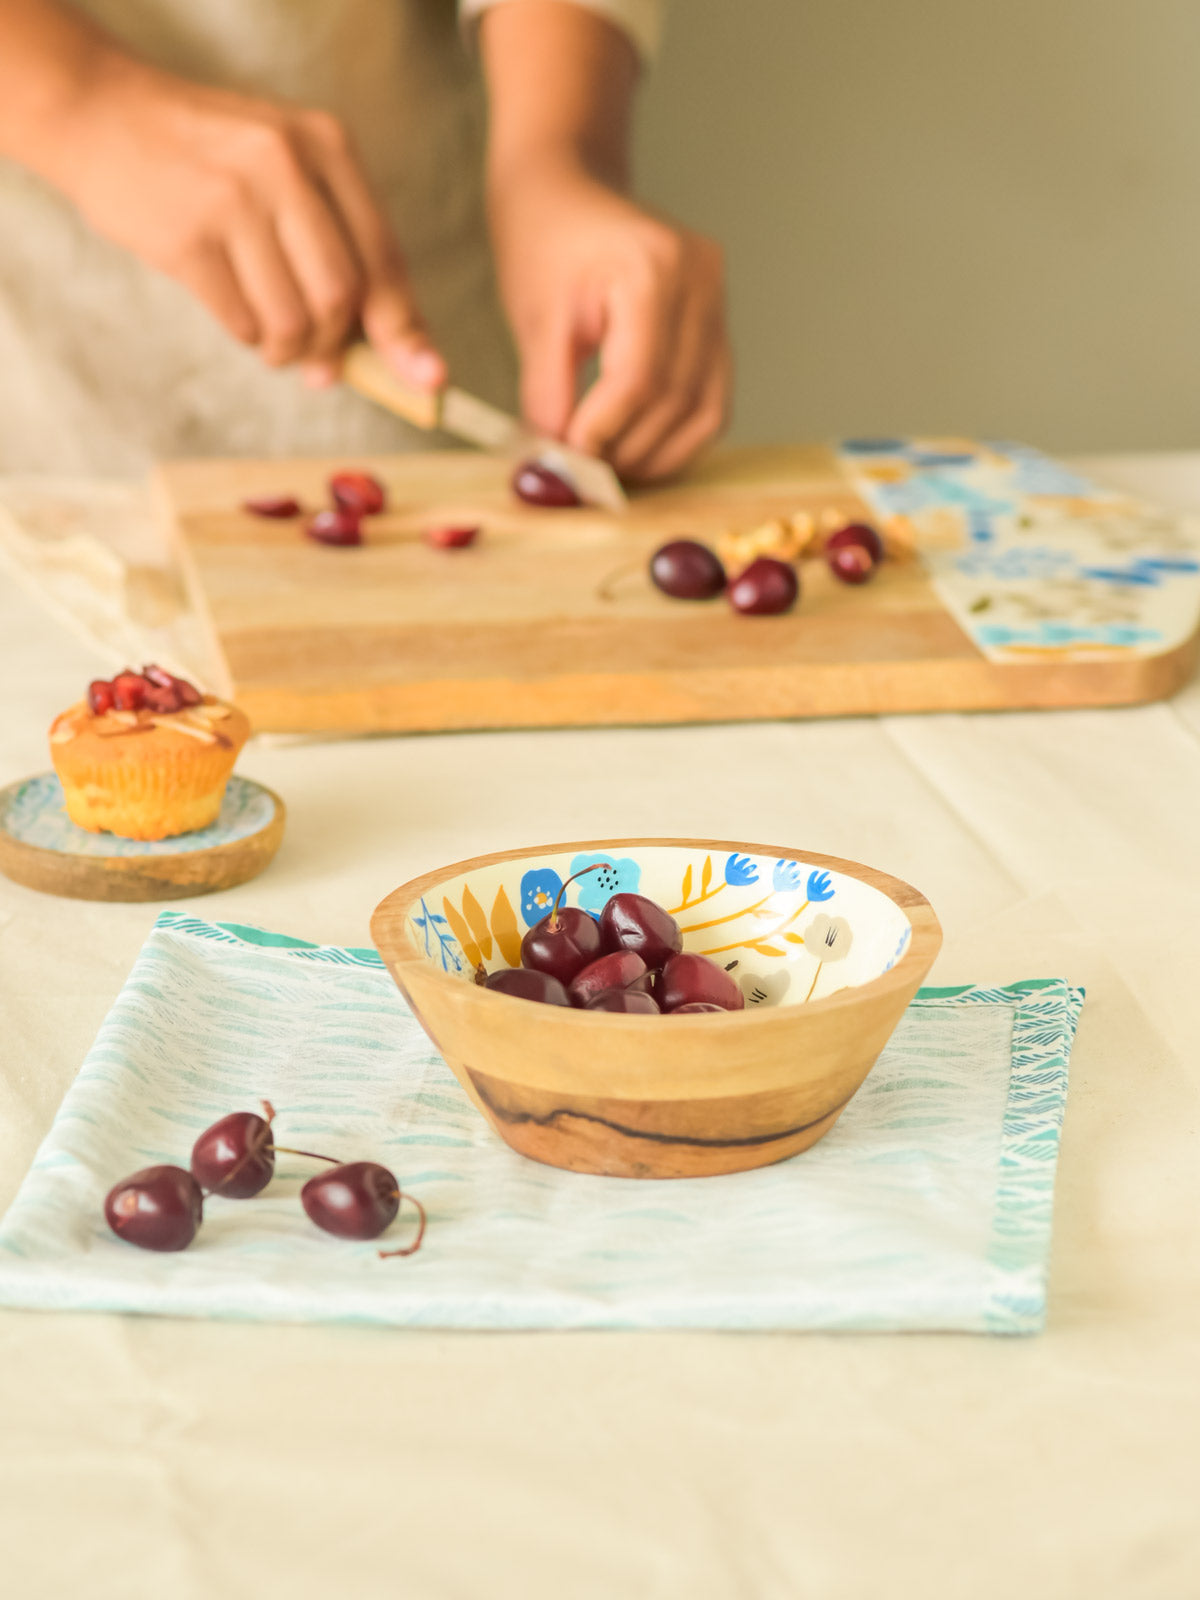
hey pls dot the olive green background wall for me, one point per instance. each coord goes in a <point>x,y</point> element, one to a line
<point>945,215</point>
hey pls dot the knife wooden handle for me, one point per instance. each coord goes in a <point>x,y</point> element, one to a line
<point>363,368</point>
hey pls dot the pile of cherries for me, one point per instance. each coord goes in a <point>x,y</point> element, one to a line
<point>354,495</point>
<point>161,1208</point>
<point>151,689</point>
<point>357,495</point>
<point>688,570</point>
<point>629,960</point>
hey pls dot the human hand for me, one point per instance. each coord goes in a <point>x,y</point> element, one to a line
<point>261,210</point>
<point>585,271</point>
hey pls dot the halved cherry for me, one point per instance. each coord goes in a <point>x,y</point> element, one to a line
<point>335,527</point>
<point>129,690</point>
<point>451,538</point>
<point>357,492</point>
<point>101,696</point>
<point>272,505</point>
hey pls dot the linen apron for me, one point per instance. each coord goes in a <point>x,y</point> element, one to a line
<point>105,364</point>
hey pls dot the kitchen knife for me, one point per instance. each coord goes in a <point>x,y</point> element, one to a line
<point>462,414</point>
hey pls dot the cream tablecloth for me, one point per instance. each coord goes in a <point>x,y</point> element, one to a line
<point>142,1458</point>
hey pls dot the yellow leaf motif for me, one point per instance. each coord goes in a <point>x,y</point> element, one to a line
<point>706,875</point>
<point>794,938</point>
<point>463,934</point>
<point>764,949</point>
<point>686,891</point>
<point>473,912</point>
<point>504,926</point>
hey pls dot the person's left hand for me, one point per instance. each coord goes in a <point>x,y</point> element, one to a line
<point>584,271</point>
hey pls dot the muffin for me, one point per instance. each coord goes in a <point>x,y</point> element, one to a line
<point>146,756</point>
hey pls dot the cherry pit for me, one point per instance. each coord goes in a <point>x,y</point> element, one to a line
<point>162,1207</point>
<point>629,959</point>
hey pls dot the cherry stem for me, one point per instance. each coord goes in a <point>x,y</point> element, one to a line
<point>314,1155</point>
<point>595,867</point>
<point>385,1255</point>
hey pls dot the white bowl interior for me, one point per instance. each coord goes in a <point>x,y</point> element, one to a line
<point>797,931</point>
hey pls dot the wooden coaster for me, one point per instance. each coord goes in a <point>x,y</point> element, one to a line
<point>43,849</point>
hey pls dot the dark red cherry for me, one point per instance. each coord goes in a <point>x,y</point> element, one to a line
<point>561,944</point>
<point>335,527</point>
<point>860,533</point>
<point>539,485</point>
<point>851,563</point>
<point>620,969</point>
<point>451,538</point>
<point>765,588</point>
<point>129,690</point>
<point>631,1001</point>
<point>354,1201</point>
<point>159,699</point>
<point>158,1208</point>
<point>235,1158</point>
<point>632,922</point>
<point>272,505</point>
<point>100,696</point>
<point>689,978</point>
<point>687,570</point>
<point>357,492</point>
<point>526,985</point>
<point>694,1006</point>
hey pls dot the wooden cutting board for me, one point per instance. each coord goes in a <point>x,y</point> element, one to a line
<point>550,619</point>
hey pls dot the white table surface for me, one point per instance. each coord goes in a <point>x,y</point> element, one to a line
<point>148,1457</point>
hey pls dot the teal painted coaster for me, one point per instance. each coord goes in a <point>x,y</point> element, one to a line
<point>42,848</point>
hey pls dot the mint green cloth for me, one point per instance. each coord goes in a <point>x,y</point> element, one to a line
<point>928,1205</point>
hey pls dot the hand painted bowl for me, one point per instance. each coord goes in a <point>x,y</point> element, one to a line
<point>828,953</point>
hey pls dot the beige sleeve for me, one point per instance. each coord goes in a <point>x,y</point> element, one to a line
<point>642,20</point>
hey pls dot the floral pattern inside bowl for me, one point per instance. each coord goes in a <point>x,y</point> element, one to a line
<point>794,931</point>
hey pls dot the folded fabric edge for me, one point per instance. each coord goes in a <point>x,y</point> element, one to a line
<point>1043,1034</point>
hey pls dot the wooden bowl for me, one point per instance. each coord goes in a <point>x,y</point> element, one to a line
<point>829,953</point>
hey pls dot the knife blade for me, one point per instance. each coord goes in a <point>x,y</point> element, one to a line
<point>467,417</point>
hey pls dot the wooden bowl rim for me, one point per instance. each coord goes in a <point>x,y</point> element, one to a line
<point>400,951</point>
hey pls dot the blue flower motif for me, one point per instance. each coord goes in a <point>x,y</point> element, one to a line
<point>787,875</point>
<point>740,870</point>
<point>820,887</point>
<point>538,891</point>
<point>616,876</point>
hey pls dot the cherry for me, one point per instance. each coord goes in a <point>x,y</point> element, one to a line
<point>272,505</point>
<point>158,1208</point>
<point>340,527</point>
<point>100,696</point>
<point>358,493</point>
<point>857,533</point>
<point>539,485</point>
<point>527,985</point>
<point>765,588</point>
<point>566,940</point>
<point>129,690</point>
<point>451,538</point>
<point>632,922</point>
<point>694,1006</point>
<point>356,1200</point>
<point>851,563</point>
<point>158,699</point>
<point>688,979</point>
<point>620,969</point>
<point>631,1001</point>
<point>687,570</point>
<point>235,1158</point>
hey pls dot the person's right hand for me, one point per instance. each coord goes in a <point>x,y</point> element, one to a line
<point>261,210</point>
